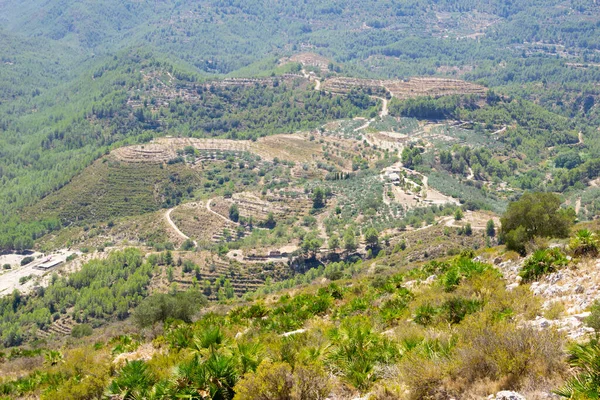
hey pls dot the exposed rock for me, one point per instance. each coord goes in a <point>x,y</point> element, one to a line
<point>144,352</point>
<point>582,316</point>
<point>508,395</point>
<point>293,332</point>
<point>554,278</point>
<point>410,284</point>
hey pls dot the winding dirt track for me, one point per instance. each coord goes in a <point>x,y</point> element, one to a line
<point>382,113</point>
<point>317,80</point>
<point>217,214</point>
<point>174,227</point>
<point>384,106</point>
<point>318,84</point>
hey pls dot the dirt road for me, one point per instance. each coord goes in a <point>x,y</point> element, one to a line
<point>172,225</point>
<point>384,106</point>
<point>217,214</point>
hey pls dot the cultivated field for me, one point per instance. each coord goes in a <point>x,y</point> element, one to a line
<point>403,89</point>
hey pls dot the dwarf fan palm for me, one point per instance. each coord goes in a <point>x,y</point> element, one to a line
<point>134,381</point>
<point>585,358</point>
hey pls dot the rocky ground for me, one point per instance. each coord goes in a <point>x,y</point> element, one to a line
<point>570,290</point>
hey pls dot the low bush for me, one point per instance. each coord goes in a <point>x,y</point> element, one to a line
<point>585,244</point>
<point>593,320</point>
<point>81,330</point>
<point>451,311</point>
<point>276,381</point>
<point>160,307</point>
<point>188,245</point>
<point>555,310</point>
<point>463,267</point>
<point>504,352</point>
<point>27,260</point>
<point>358,350</point>
<point>585,361</point>
<point>542,262</point>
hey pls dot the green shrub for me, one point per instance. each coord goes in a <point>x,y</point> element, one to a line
<point>188,266</point>
<point>585,243</point>
<point>468,230</point>
<point>160,307</point>
<point>490,228</point>
<point>454,310</point>
<point>535,214</point>
<point>357,349</point>
<point>401,246</point>
<point>394,308</point>
<point>593,320</point>
<point>451,311</point>
<point>542,262</point>
<point>458,214</point>
<point>516,239</point>
<point>334,275</point>
<point>424,314</point>
<point>134,380</point>
<point>81,330</point>
<point>27,260</point>
<point>234,213</point>
<point>585,361</point>
<point>187,245</point>
<point>462,267</point>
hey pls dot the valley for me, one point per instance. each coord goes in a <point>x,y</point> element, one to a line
<point>241,200</point>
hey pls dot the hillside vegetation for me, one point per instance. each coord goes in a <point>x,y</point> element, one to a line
<point>449,327</point>
<point>251,199</point>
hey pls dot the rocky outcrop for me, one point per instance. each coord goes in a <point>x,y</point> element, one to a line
<point>508,395</point>
<point>576,287</point>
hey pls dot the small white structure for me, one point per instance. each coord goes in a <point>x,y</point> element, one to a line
<point>49,264</point>
<point>394,177</point>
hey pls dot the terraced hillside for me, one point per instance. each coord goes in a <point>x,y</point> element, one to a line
<point>199,223</point>
<point>112,188</point>
<point>404,89</point>
<point>213,274</point>
<point>290,147</point>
